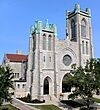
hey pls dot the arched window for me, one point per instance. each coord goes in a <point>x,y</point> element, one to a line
<point>83,47</point>
<point>49,59</point>
<point>24,85</point>
<point>66,87</point>
<point>44,58</point>
<point>73,30</point>
<point>86,47</point>
<point>46,86</point>
<point>44,42</point>
<point>83,28</point>
<point>18,85</point>
<point>49,42</point>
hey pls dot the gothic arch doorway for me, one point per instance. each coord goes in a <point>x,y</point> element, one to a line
<point>47,86</point>
<point>66,87</point>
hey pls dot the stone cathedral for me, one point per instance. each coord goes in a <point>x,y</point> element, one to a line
<point>41,73</point>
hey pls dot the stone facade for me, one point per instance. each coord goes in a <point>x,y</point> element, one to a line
<point>50,59</point>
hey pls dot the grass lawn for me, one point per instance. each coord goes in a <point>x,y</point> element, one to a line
<point>96,100</point>
<point>10,107</point>
<point>47,107</point>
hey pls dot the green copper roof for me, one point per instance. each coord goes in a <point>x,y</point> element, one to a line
<point>38,27</point>
<point>47,24</point>
<point>67,14</point>
<point>77,8</point>
<point>88,11</point>
<point>32,29</point>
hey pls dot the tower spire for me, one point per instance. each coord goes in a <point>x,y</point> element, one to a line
<point>47,24</point>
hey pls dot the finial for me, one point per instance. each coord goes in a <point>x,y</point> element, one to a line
<point>32,28</point>
<point>54,30</point>
<point>67,12</point>
<point>47,24</point>
<point>50,26</point>
<point>88,11</point>
<point>77,8</point>
<point>38,26</point>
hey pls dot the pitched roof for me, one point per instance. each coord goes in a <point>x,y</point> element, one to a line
<point>17,57</point>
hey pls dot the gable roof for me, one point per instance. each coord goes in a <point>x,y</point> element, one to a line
<point>17,57</point>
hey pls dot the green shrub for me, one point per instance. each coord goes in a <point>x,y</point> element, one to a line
<point>5,108</point>
<point>72,103</point>
<point>91,108</point>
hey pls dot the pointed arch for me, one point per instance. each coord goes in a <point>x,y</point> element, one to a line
<point>44,41</point>
<point>66,87</point>
<point>47,85</point>
<point>73,30</point>
<point>49,42</point>
<point>83,28</point>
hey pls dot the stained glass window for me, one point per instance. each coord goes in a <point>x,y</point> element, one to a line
<point>67,60</point>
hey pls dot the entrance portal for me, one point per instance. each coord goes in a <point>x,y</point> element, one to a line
<point>46,86</point>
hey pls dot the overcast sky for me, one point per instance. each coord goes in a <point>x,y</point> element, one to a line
<point>16,17</point>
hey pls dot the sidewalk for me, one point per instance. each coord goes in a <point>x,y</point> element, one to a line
<point>22,105</point>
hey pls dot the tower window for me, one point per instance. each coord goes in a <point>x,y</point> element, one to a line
<point>49,42</point>
<point>83,28</point>
<point>18,85</point>
<point>86,47</point>
<point>83,47</point>
<point>16,75</point>
<point>23,85</point>
<point>44,58</point>
<point>73,30</point>
<point>50,59</point>
<point>44,42</point>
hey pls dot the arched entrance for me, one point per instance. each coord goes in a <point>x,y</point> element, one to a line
<point>47,86</point>
<point>66,87</point>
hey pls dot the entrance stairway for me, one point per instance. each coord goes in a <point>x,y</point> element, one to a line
<point>55,101</point>
<point>47,98</point>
